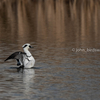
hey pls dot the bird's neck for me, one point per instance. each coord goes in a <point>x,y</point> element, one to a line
<point>27,52</point>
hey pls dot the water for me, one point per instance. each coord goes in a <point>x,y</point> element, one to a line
<point>66,40</point>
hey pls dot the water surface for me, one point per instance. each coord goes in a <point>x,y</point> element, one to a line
<point>66,40</point>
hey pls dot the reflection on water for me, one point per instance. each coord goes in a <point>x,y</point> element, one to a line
<point>56,28</point>
<point>28,80</point>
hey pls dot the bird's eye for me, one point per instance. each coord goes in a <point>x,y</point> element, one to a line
<point>30,46</point>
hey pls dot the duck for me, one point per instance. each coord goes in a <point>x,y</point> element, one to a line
<point>24,59</point>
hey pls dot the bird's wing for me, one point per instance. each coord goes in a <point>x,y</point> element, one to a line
<point>16,55</point>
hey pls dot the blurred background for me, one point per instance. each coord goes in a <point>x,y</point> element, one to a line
<point>60,31</point>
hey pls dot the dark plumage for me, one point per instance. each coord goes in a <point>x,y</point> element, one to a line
<point>18,56</point>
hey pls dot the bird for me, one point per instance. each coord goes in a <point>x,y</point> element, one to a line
<point>24,59</point>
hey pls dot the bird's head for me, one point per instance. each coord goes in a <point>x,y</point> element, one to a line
<point>26,46</point>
